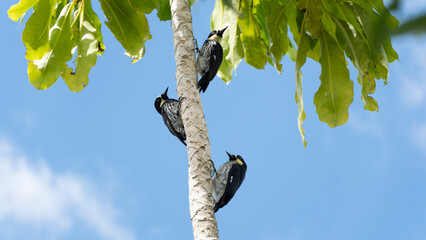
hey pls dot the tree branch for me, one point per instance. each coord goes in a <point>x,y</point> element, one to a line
<point>200,182</point>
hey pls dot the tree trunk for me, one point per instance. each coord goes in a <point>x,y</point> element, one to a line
<point>200,183</point>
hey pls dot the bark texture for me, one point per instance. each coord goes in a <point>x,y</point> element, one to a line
<point>200,183</point>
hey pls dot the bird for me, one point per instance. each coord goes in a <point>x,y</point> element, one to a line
<point>209,58</point>
<point>227,180</point>
<point>169,109</point>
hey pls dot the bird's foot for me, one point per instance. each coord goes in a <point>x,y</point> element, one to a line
<point>197,50</point>
<point>214,168</point>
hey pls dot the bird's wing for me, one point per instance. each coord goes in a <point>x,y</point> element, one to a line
<point>235,178</point>
<point>216,58</point>
<point>171,118</point>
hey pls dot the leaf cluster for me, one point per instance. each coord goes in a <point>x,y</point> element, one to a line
<point>61,30</point>
<point>327,31</point>
<point>259,31</point>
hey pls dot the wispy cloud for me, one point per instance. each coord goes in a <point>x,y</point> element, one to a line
<point>413,90</point>
<point>35,195</point>
<point>418,135</point>
<point>367,123</point>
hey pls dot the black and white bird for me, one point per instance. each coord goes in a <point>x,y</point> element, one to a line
<point>227,180</point>
<point>170,110</point>
<point>209,58</point>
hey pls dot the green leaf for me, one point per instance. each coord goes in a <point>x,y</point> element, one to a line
<point>291,51</point>
<point>225,14</point>
<point>45,71</point>
<point>254,46</point>
<point>163,10</point>
<point>335,93</point>
<point>368,87</point>
<point>358,51</point>
<point>390,20</point>
<point>302,50</point>
<point>90,38</point>
<point>377,36</point>
<point>225,71</point>
<point>36,33</point>
<point>328,24</point>
<point>292,14</point>
<point>18,10</point>
<point>391,54</point>
<point>145,6</point>
<point>341,11</point>
<point>129,26</point>
<point>279,42</point>
<point>313,17</point>
<point>259,14</point>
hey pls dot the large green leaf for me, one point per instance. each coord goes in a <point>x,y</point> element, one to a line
<point>89,42</point>
<point>292,14</point>
<point>335,93</point>
<point>254,45</point>
<point>163,10</point>
<point>277,26</point>
<point>36,33</point>
<point>45,71</point>
<point>390,20</point>
<point>313,17</point>
<point>225,14</point>
<point>358,51</point>
<point>129,26</point>
<point>342,12</point>
<point>18,10</point>
<point>145,6</point>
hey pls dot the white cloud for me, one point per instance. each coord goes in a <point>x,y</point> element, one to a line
<point>36,196</point>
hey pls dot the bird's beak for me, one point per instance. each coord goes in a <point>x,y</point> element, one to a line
<point>230,156</point>
<point>222,31</point>
<point>165,92</point>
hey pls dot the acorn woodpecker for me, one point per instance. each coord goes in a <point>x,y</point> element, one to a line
<point>209,58</point>
<point>227,180</point>
<point>170,110</point>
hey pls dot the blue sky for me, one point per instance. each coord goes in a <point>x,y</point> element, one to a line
<point>100,164</point>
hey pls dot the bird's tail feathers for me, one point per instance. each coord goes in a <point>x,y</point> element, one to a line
<point>203,83</point>
<point>216,207</point>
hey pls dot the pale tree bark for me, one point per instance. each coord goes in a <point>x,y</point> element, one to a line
<point>200,183</point>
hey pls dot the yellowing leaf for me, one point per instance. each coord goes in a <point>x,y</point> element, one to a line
<point>18,10</point>
<point>277,26</point>
<point>254,46</point>
<point>45,71</point>
<point>36,33</point>
<point>224,14</point>
<point>90,38</point>
<point>335,93</point>
<point>302,51</point>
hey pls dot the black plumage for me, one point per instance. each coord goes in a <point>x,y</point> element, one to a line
<point>170,111</point>
<point>209,58</point>
<point>227,180</point>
